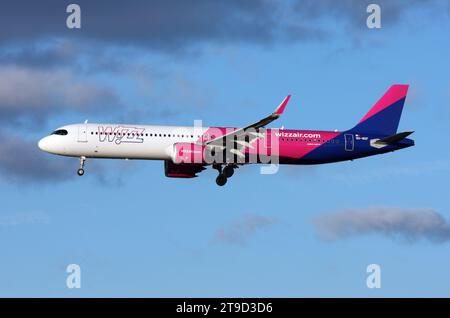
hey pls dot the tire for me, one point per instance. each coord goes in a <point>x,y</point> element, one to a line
<point>228,171</point>
<point>80,172</point>
<point>221,180</point>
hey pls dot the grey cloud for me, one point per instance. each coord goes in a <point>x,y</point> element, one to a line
<point>31,90</point>
<point>162,25</point>
<point>353,12</point>
<point>176,25</point>
<point>21,161</point>
<point>77,56</point>
<point>31,95</point>
<point>239,231</point>
<point>33,54</point>
<point>113,34</point>
<point>409,225</point>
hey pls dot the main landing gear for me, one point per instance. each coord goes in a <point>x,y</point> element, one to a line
<point>80,171</point>
<point>224,173</point>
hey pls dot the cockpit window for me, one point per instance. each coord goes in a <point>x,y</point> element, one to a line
<point>61,132</point>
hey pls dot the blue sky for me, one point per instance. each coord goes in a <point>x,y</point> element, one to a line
<point>136,233</point>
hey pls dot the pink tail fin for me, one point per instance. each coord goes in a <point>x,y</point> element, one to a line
<point>384,116</point>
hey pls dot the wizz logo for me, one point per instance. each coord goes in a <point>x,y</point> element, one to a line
<point>121,134</point>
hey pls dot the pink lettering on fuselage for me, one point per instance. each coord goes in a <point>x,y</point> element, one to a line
<point>120,134</point>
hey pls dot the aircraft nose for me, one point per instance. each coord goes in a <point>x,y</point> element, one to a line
<point>43,144</point>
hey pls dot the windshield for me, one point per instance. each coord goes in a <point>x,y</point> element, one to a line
<point>61,132</point>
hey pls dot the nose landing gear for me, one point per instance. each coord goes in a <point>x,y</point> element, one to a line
<point>80,171</point>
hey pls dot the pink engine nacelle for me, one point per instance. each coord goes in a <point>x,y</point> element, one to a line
<point>173,170</point>
<point>188,153</point>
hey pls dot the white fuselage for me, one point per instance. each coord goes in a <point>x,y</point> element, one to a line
<point>119,140</point>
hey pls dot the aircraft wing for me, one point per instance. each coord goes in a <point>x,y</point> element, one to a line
<point>243,139</point>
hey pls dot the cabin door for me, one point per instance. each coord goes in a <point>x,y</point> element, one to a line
<point>82,133</point>
<point>349,142</point>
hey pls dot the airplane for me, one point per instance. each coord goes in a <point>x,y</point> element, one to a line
<point>188,150</point>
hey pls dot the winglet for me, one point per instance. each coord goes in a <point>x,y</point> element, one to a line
<point>281,107</point>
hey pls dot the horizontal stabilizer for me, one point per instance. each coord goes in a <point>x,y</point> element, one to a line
<point>394,138</point>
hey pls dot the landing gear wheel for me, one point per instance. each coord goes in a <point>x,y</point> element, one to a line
<point>80,171</point>
<point>228,171</point>
<point>221,180</point>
